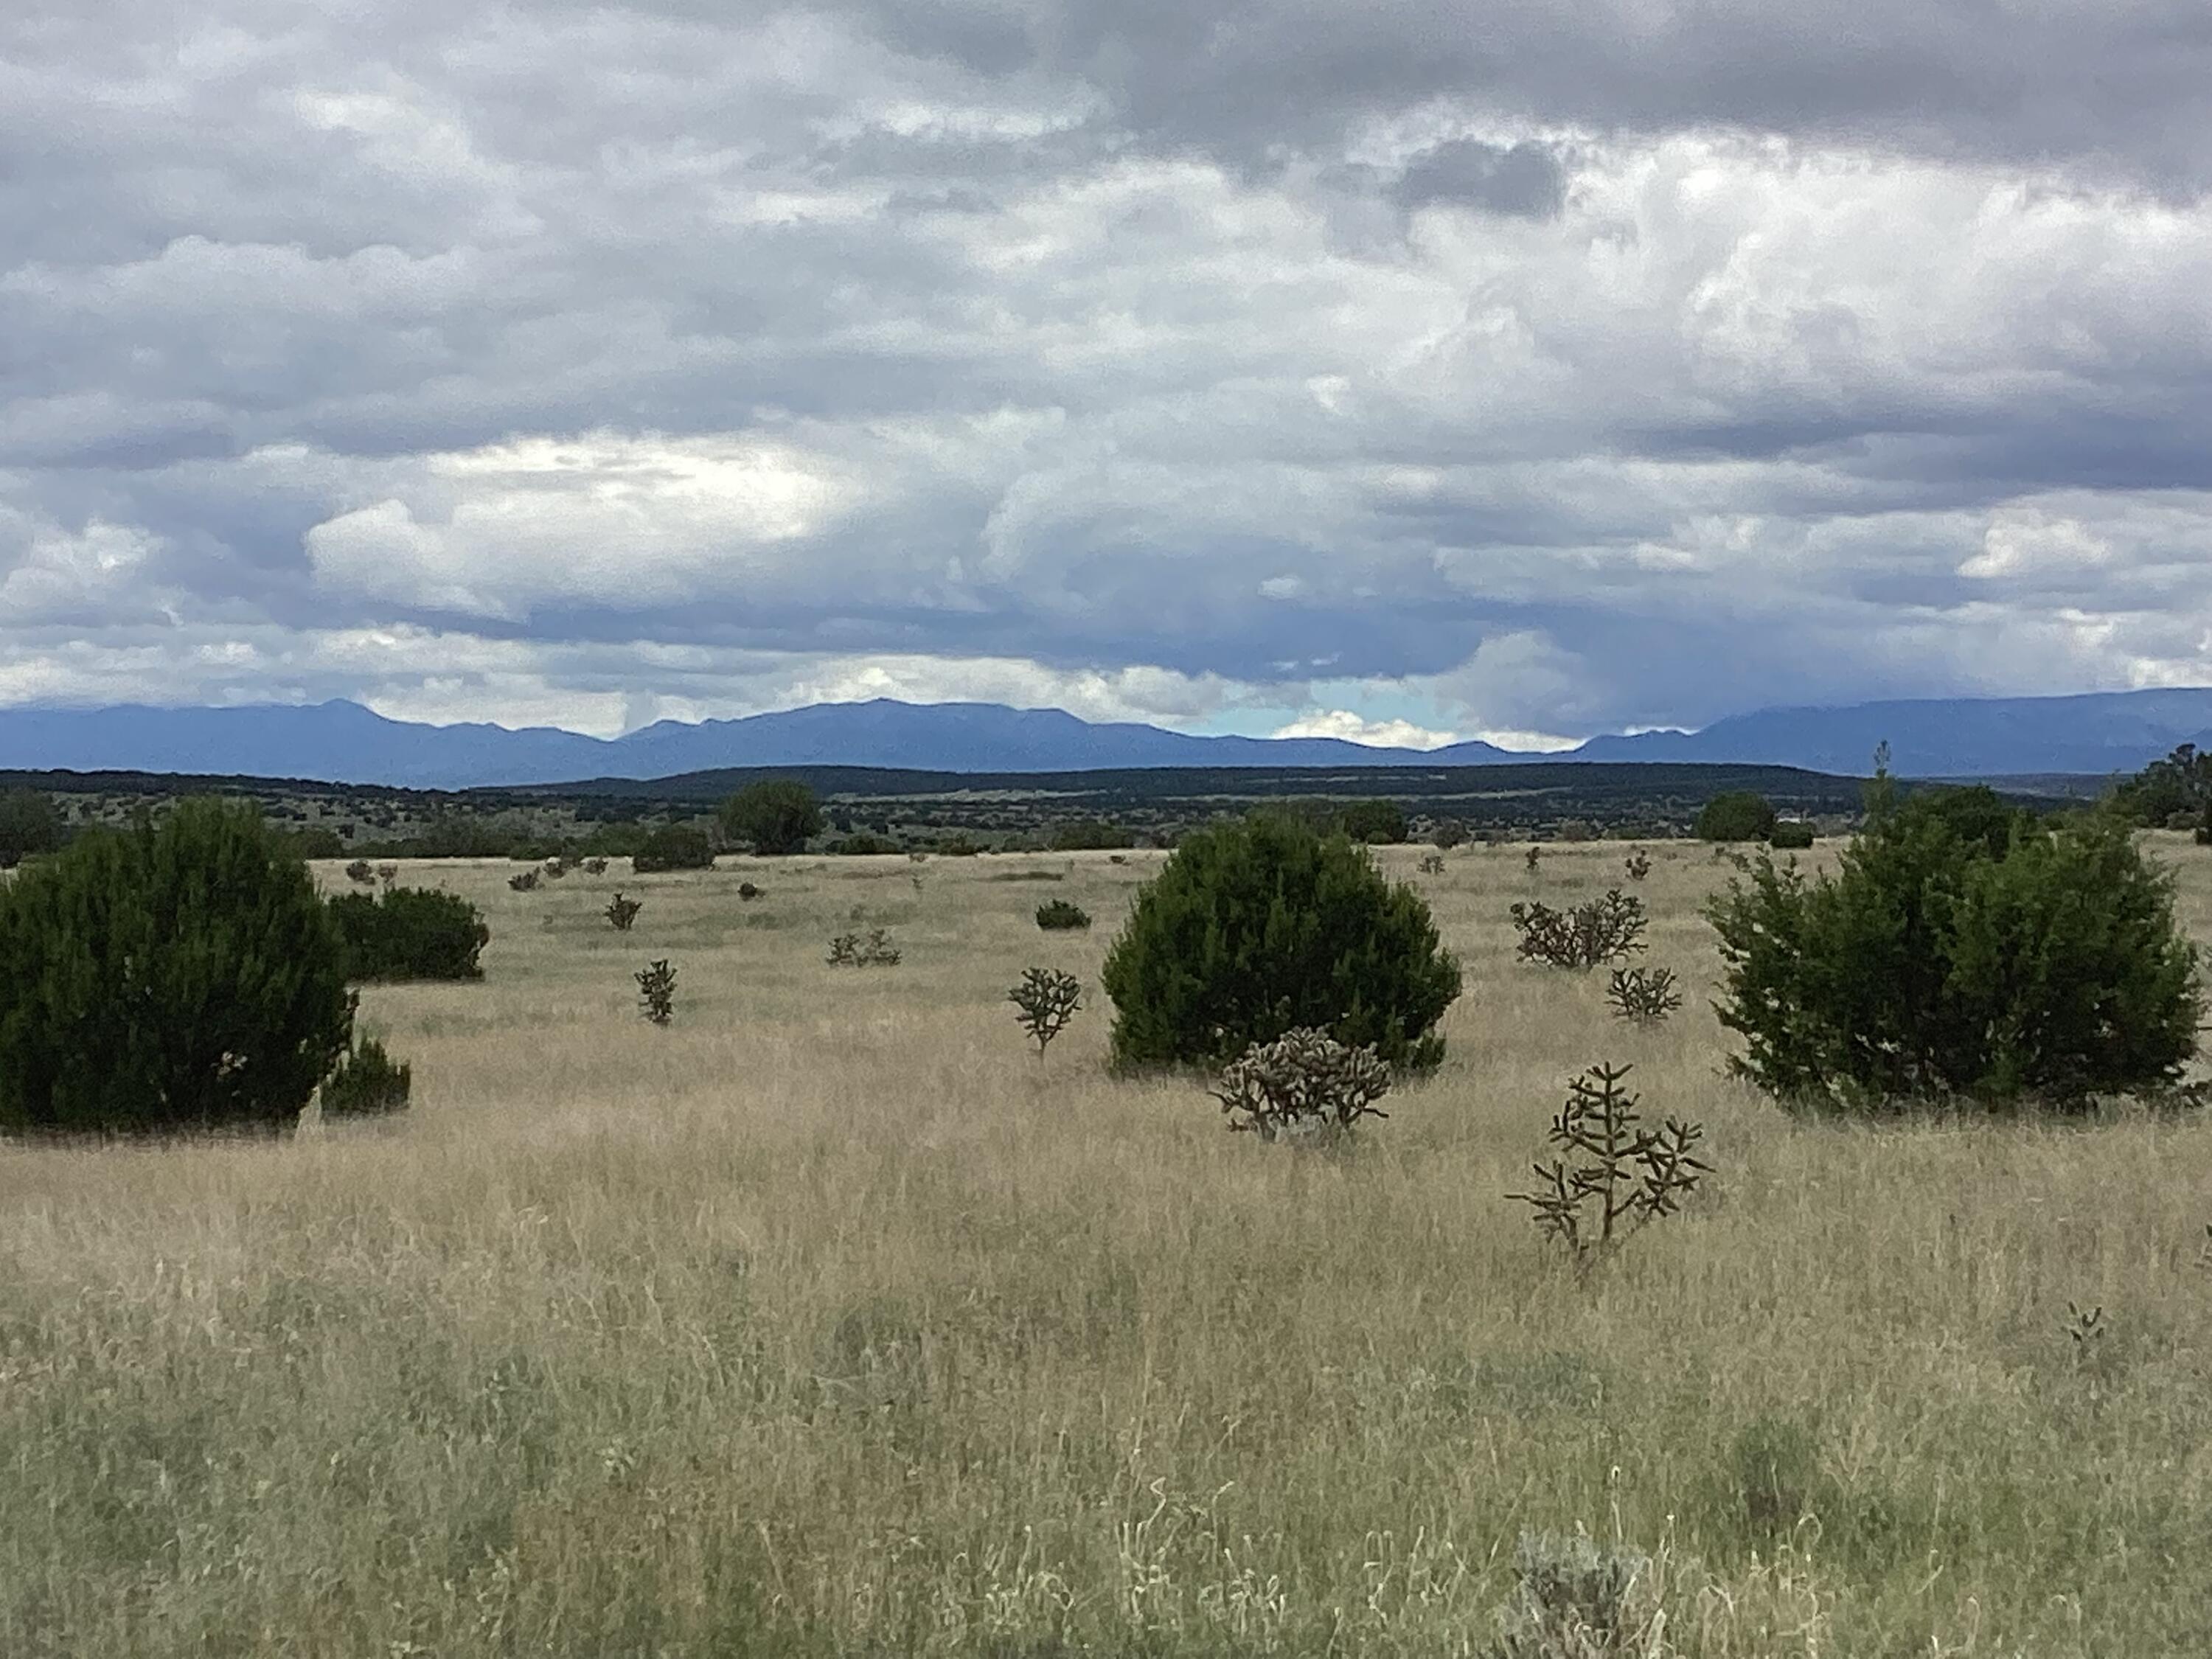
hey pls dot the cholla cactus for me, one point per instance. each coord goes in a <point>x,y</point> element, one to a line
<point>873,950</point>
<point>1632,1175</point>
<point>1604,930</point>
<point>1535,857</point>
<point>1637,864</point>
<point>1432,864</point>
<point>656,992</point>
<point>1303,1084</point>
<point>622,912</point>
<point>1044,1002</point>
<point>361,871</point>
<point>525,881</point>
<point>1643,996</point>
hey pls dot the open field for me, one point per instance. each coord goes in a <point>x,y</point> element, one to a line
<point>828,1321</point>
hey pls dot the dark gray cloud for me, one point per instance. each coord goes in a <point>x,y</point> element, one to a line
<point>1521,179</point>
<point>1537,367</point>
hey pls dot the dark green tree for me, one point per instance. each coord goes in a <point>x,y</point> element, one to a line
<point>29,824</point>
<point>1261,926</point>
<point>166,979</point>
<point>775,816</point>
<point>2179,785</point>
<point>674,846</point>
<point>410,933</point>
<point>1376,822</point>
<point>1736,815</point>
<point>1940,964</point>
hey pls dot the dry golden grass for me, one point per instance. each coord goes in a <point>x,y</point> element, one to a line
<point>828,1321</point>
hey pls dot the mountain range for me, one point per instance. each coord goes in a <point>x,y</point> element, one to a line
<point>344,742</point>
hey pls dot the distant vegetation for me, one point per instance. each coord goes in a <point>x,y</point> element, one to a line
<point>775,816</point>
<point>674,846</point>
<point>1736,815</point>
<point>29,824</point>
<point>2174,793</point>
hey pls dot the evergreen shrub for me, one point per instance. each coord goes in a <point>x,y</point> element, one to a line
<point>410,933</point>
<point>1259,927</point>
<point>1960,952</point>
<point>167,980</point>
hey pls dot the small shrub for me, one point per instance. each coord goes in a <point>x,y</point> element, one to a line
<point>1637,864</point>
<point>1059,915</point>
<point>1775,1465</point>
<point>1790,834</point>
<point>1448,834</point>
<point>1577,830</point>
<point>366,1083</point>
<point>656,992</point>
<point>408,932</point>
<point>1045,1000</point>
<point>1432,864</point>
<point>1259,927</point>
<point>1578,1599</point>
<point>523,882</point>
<point>1588,935</point>
<point>553,869</point>
<point>861,844</point>
<point>748,892</point>
<point>1303,1084</point>
<point>872,950</point>
<point>1643,996</point>
<point>1631,1175</point>
<point>674,846</point>
<point>595,866</point>
<point>1535,856</point>
<point>2084,1329</point>
<point>1735,815</point>
<point>389,875</point>
<point>622,913</point>
<point>360,871</point>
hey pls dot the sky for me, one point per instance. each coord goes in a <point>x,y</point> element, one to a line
<point>1401,370</point>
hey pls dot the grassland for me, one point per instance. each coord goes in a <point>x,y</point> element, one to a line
<point>827,1320</point>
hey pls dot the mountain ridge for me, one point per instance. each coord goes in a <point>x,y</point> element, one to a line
<point>2090,734</point>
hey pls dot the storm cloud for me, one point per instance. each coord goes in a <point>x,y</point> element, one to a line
<point>1522,368</point>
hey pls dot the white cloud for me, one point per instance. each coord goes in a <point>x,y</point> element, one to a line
<point>1354,728</point>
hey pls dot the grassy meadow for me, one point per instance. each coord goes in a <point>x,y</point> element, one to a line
<point>827,1320</point>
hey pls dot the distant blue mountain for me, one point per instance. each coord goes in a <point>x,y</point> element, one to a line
<point>343,742</point>
<point>1945,738</point>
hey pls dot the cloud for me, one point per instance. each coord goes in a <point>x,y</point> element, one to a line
<point>1605,365</point>
<point>1354,728</point>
